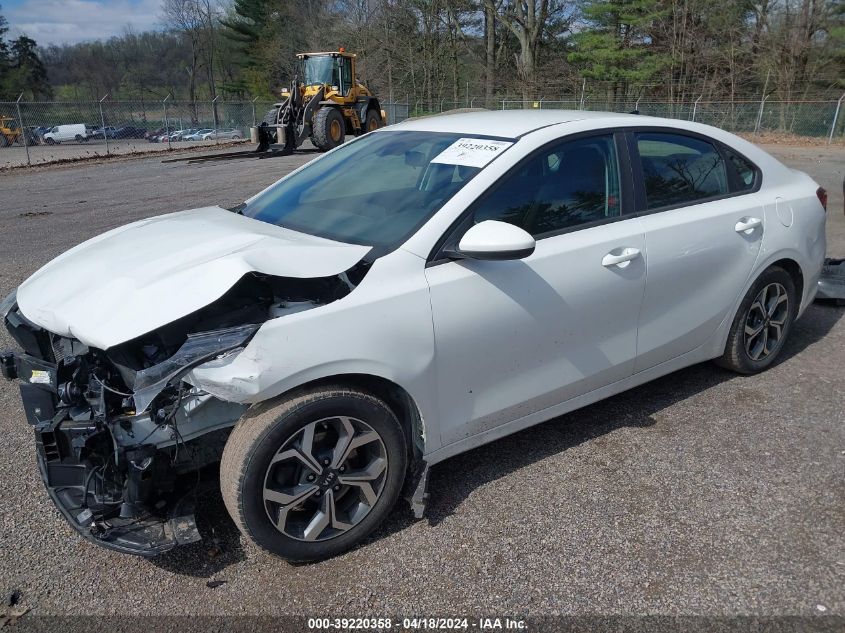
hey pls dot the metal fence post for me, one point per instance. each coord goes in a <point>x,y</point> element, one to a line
<point>166,124</point>
<point>103,124</point>
<point>832,125</point>
<point>760,115</point>
<point>214,113</point>
<point>254,124</point>
<point>23,129</point>
<point>695,107</point>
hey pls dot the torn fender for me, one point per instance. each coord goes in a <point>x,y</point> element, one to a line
<point>139,277</point>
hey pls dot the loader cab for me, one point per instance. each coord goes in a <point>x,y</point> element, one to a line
<point>330,69</point>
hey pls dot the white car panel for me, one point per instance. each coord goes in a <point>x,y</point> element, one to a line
<point>698,266</point>
<point>191,258</point>
<point>383,328</point>
<point>516,337</point>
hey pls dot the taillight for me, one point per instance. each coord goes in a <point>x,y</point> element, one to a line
<point>821,192</point>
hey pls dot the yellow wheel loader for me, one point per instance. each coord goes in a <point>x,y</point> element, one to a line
<point>325,103</point>
<point>10,133</point>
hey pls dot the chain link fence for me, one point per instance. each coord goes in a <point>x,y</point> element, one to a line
<point>42,132</point>
<point>820,119</point>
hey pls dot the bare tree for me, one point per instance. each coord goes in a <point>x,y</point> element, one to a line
<point>184,17</point>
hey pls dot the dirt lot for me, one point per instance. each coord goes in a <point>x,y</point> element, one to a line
<point>702,493</point>
<point>16,155</point>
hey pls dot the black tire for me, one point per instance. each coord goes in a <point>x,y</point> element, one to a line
<point>736,356</point>
<point>4,142</point>
<point>51,141</point>
<point>329,128</point>
<point>266,428</point>
<point>372,121</point>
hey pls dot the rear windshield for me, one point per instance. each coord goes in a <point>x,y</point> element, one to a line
<point>374,191</point>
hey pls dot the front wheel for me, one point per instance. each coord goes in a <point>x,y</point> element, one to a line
<point>329,128</point>
<point>762,323</point>
<point>308,477</point>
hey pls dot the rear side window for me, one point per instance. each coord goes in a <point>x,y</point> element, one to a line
<point>745,172</point>
<point>679,169</point>
<point>572,183</point>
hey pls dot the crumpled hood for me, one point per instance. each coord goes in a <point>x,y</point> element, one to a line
<point>136,278</point>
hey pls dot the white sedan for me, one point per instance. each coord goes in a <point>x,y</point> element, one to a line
<point>419,291</point>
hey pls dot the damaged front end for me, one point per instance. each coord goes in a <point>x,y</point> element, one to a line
<point>122,440</point>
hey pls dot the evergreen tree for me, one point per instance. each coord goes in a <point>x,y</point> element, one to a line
<point>618,45</point>
<point>29,72</point>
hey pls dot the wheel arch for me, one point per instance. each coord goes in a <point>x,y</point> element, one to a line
<point>794,269</point>
<point>790,264</point>
<point>394,395</point>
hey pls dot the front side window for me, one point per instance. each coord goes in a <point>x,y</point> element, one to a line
<point>569,184</point>
<point>679,169</point>
<point>375,191</point>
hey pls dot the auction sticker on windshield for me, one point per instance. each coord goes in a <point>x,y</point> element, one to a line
<point>471,152</point>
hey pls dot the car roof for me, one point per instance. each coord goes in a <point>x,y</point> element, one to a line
<point>504,123</point>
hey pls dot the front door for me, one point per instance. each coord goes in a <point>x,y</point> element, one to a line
<point>515,337</point>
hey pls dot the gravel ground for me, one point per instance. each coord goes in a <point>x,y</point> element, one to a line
<point>701,493</point>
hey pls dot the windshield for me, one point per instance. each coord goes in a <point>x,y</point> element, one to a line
<point>318,70</point>
<point>375,191</point>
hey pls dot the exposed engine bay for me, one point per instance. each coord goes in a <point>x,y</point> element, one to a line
<point>123,442</point>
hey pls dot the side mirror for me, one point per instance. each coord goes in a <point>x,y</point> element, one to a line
<point>494,240</point>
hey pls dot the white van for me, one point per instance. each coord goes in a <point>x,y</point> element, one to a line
<point>61,133</point>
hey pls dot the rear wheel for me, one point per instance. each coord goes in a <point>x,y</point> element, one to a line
<point>762,323</point>
<point>309,477</point>
<point>329,128</point>
<point>4,141</point>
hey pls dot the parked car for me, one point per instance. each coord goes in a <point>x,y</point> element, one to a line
<point>154,135</point>
<point>102,133</point>
<point>198,135</point>
<point>129,131</point>
<point>414,294</point>
<point>223,134</point>
<point>63,133</point>
<point>179,135</point>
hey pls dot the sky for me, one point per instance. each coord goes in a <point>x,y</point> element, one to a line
<point>71,21</point>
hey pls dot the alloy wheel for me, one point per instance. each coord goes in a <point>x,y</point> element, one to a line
<point>325,478</point>
<point>765,322</point>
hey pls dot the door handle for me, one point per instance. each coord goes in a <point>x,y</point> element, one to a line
<point>622,259</point>
<point>746,225</point>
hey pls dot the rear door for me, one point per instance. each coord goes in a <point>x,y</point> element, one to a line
<point>703,226</point>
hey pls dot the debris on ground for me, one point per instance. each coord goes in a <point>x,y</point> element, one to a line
<point>12,610</point>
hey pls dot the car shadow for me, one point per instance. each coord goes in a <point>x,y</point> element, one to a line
<point>450,486</point>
